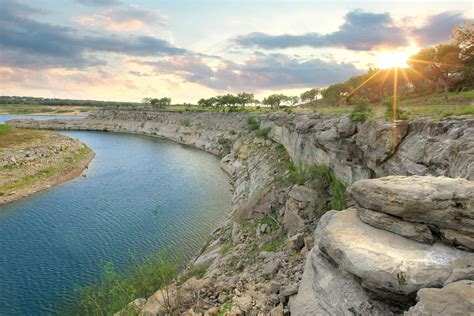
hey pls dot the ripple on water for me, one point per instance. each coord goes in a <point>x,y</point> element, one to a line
<point>140,195</point>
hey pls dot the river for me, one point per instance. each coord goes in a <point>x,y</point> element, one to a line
<point>140,195</point>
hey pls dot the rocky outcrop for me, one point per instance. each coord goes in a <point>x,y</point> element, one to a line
<point>454,299</point>
<point>445,205</point>
<point>375,149</point>
<point>378,258</point>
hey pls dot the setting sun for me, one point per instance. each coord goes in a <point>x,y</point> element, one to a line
<point>393,59</point>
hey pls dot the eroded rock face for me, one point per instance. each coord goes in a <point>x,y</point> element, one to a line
<point>415,231</point>
<point>445,204</point>
<point>454,299</point>
<point>389,264</point>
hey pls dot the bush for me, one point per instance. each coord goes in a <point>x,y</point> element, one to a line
<point>262,132</point>
<point>361,111</point>
<point>196,270</point>
<point>253,123</point>
<point>398,115</point>
<point>116,289</point>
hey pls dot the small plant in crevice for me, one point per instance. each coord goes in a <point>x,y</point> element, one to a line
<point>186,122</point>
<point>253,123</point>
<point>197,270</point>
<point>262,132</point>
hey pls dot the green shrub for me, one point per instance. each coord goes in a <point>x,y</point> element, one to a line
<point>253,123</point>
<point>232,132</point>
<point>288,110</point>
<point>186,122</point>
<point>116,289</point>
<point>390,115</point>
<point>262,132</point>
<point>361,111</point>
<point>196,270</point>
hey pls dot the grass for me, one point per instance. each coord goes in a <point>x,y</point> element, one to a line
<point>197,270</point>
<point>10,136</point>
<point>253,123</point>
<point>431,106</point>
<point>117,288</point>
<point>44,173</point>
<point>44,109</point>
<point>276,243</point>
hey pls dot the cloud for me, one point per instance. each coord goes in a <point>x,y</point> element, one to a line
<point>361,31</point>
<point>437,28</point>
<point>98,3</point>
<point>124,18</point>
<point>25,42</point>
<point>259,72</point>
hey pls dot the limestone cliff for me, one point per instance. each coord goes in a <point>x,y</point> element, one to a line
<point>254,262</point>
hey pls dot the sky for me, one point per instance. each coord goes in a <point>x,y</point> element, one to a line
<point>122,50</point>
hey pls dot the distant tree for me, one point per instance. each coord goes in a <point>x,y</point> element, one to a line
<point>310,95</point>
<point>244,98</point>
<point>293,100</point>
<point>335,93</point>
<point>159,103</point>
<point>439,64</point>
<point>463,37</point>
<point>274,100</point>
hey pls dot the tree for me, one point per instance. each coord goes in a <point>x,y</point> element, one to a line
<point>310,95</point>
<point>244,98</point>
<point>438,64</point>
<point>293,100</point>
<point>335,93</point>
<point>463,37</point>
<point>274,100</point>
<point>157,103</point>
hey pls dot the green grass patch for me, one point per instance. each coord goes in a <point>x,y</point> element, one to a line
<point>275,244</point>
<point>197,270</point>
<point>226,249</point>
<point>253,123</point>
<point>262,132</point>
<point>116,289</point>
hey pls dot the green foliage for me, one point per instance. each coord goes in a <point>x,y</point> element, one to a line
<point>225,309</point>
<point>226,249</point>
<point>197,270</point>
<point>390,115</point>
<point>232,132</point>
<point>117,288</point>
<point>186,122</point>
<point>288,110</point>
<point>4,129</point>
<point>362,110</point>
<point>276,243</point>
<point>253,123</point>
<point>262,132</point>
<point>224,142</point>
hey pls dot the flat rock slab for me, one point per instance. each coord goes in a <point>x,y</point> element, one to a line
<point>388,263</point>
<point>454,299</point>
<point>441,201</point>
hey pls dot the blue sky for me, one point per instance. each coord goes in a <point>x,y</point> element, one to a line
<point>128,50</point>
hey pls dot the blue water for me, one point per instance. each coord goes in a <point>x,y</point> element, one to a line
<point>140,195</point>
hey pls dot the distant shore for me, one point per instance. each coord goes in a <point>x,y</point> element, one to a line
<point>38,160</point>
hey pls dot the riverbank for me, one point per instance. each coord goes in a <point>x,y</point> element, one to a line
<point>33,161</point>
<point>288,170</point>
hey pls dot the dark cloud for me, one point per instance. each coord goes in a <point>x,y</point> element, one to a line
<point>360,31</point>
<point>437,28</point>
<point>98,3</point>
<point>262,71</point>
<point>25,42</point>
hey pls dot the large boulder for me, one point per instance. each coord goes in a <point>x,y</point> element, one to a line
<point>326,290</point>
<point>437,201</point>
<point>387,264</point>
<point>454,299</point>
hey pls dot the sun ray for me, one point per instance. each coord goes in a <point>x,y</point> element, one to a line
<point>418,73</point>
<point>404,74</point>
<point>363,83</point>
<point>430,62</point>
<point>387,73</point>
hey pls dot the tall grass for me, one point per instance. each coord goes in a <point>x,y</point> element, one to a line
<point>116,289</point>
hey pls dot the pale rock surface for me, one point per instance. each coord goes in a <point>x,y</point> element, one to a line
<point>454,299</point>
